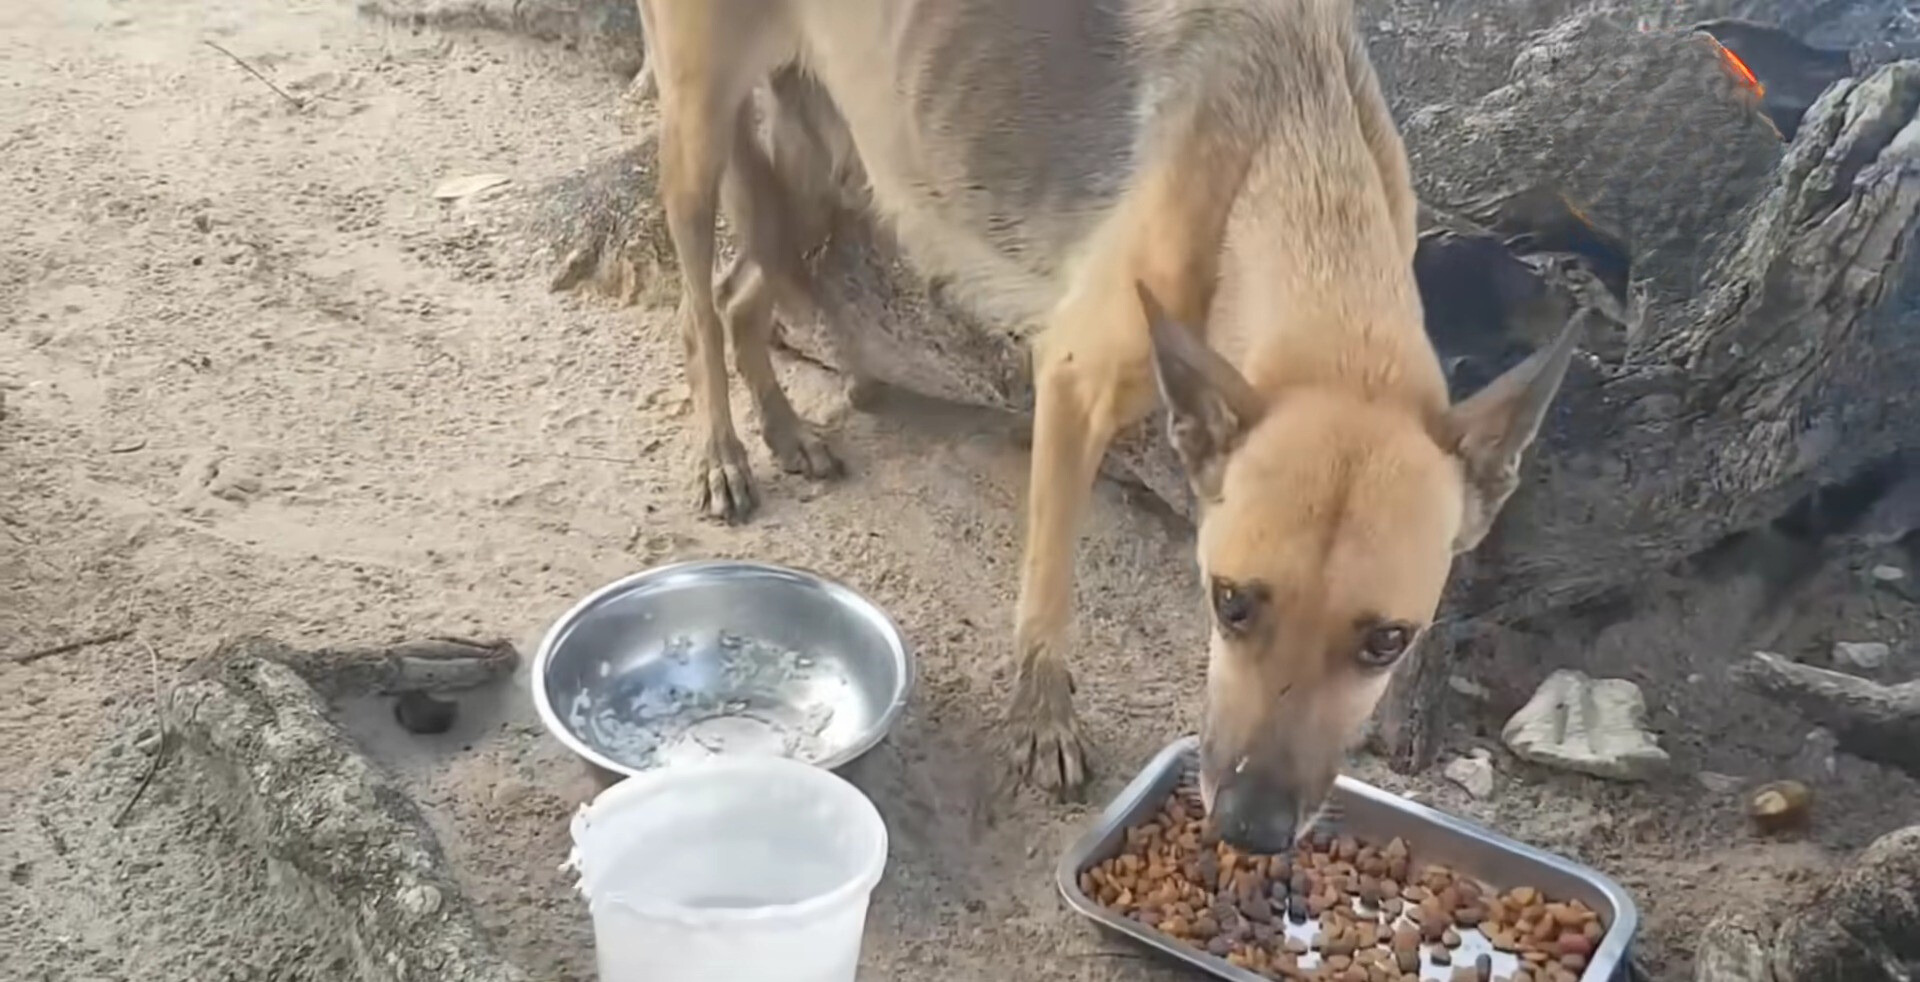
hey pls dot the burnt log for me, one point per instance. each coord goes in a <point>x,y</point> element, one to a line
<point>1869,720</point>
<point>1864,926</point>
<point>607,29</point>
<point>341,840</point>
<point>1736,946</point>
<point>1741,298</point>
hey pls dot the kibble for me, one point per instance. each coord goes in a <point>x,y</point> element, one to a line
<point>1377,907</point>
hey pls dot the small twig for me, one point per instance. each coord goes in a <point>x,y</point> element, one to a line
<point>296,103</point>
<point>594,457</point>
<point>29,657</point>
<point>1131,956</point>
<point>161,752</point>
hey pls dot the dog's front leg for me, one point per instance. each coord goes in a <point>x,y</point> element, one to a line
<point>1090,377</point>
<point>1093,376</point>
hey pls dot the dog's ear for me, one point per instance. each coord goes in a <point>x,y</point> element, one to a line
<point>1209,404</point>
<point>1491,429</point>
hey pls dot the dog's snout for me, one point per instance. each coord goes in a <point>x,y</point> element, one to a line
<point>1255,816</point>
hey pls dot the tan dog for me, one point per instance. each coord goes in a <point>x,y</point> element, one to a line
<point>1206,197</point>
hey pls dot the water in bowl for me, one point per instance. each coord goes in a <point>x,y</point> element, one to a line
<point>739,696</point>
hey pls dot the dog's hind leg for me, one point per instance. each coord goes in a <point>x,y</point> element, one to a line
<point>761,208</point>
<point>705,69</point>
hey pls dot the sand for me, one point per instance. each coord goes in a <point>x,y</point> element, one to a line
<point>256,378</point>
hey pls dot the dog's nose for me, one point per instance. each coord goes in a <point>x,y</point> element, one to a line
<point>1254,819</point>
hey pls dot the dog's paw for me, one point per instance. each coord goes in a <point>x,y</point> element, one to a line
<point>723,481</point>
<point>1046,748</point>
<point>800,449</point>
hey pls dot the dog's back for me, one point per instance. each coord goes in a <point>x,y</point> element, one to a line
<point>997,134</point>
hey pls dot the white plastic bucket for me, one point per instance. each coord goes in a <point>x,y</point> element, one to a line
<point>734,869</point>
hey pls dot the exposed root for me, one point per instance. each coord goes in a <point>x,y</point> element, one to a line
<point>1870,720</point>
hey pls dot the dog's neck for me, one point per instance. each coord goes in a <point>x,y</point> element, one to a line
<point>1360,333</point>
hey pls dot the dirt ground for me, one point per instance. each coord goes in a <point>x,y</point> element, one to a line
<point>256,379</point>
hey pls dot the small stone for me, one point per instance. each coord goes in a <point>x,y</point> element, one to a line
<point>508,792</point>
<point>1592,726</point>
<point>1474,773</point>
<point>417,712</point>
<point>1468,687</point>
<point>1780,805</point>
<point>1717,783</point>
<point>1888,574</point>
<point>420,899</point>
<point>1868,655</point>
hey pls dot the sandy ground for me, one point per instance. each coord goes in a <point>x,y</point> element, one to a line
<point>257,380</point>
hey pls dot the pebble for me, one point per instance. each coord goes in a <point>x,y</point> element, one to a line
<point>1474,773</point>
<point>420,899</point>
<point>508,792</point>
<point>1468,687</point>
<point>1868,655</point>
<point>1716,782</point>
<point>1889,574</point>
<point>417,712</point>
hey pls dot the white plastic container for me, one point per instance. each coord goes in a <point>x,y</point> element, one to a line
<point>733,869</point>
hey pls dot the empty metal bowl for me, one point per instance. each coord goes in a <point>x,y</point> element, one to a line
<point>715,657</point>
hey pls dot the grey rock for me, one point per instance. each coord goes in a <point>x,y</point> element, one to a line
<point>1734,948</point>
<point>1468,687</point>
<point>1473,772</point>
<point>1868,655</point>
<point>421,899</point>
<point>1718,783</point>
<point>1591,726</point>
<point>1889,574</point>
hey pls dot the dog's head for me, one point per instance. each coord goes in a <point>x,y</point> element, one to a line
<point>1328,525</point>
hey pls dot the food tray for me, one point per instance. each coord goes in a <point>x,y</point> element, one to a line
<point>1368,813</point>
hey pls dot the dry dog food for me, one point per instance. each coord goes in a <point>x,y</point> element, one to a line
<point>1373,910</point>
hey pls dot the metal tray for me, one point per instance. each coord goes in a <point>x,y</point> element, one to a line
<point>1368,813</point>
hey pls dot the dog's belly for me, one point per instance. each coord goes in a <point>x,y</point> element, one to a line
<point>995,133</point>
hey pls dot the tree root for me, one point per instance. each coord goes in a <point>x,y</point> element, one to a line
<point>1878,722</point>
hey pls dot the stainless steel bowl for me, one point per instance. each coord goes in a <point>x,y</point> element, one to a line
<point>721,657</point>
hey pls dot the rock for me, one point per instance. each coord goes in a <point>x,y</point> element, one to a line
<point>421,899</point>
<point>1865,926</point>
<point>1718,783</point>
<point>1592,726</point>
<point>417,712</point>
<point>1780,805</point>
<point>1468,687</point>
<point>1888,574</point>
<point>509,792</point>
<point>1734,948</point>
<point>1815,758</point>
<point>1473,772</point>
<point>1868,655</point>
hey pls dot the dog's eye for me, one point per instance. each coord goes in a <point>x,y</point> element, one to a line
<point>1234,606</point>
<point>1383,645</point>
